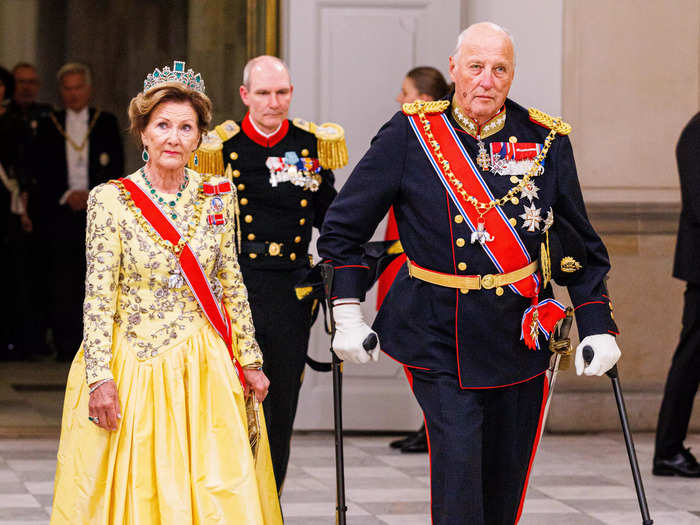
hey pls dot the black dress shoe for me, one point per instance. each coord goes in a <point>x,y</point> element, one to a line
<point>416,443</point>
<point>682,464</point>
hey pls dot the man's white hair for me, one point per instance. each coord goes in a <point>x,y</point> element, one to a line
<point>254,61</point>
<point>495,27</point>
<point>75,68</point>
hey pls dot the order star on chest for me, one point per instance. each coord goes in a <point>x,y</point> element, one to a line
<point>531,218</point>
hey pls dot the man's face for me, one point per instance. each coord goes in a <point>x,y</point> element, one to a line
<point>26,86</point>
<point>483,72</point>
<point>268,95</point>
<point>75,91</point>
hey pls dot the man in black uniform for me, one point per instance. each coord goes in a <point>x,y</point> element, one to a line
<point>671,458</point>
<point>74,150</point>
<point>470,312</point>
<point>284,189</point>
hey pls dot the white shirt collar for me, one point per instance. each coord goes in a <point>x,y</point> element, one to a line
<point>81,115</point>
<point>266,135</point>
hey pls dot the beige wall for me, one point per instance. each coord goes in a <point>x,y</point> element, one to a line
<point>631,81</point>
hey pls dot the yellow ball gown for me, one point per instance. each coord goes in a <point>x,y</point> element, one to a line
<point>181,453</point>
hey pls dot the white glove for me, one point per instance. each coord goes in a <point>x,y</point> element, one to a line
<point>606,354</point>
<point>350,331</point>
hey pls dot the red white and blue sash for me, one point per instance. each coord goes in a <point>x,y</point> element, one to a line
<point>507,250</point>
<point>192,271</point>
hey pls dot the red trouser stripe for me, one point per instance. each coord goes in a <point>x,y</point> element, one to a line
<point>545,393</point>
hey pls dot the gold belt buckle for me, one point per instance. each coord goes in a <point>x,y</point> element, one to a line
<point>488,281</point>
<point>274,249</point>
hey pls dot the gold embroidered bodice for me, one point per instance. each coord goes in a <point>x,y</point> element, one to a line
<point>127,292</point>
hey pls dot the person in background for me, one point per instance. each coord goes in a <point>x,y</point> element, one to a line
<point>421,83</point>
<point>74,150</point>
<point>13,144</point>
<point>284,188</point>
<point>671,458</point>
<point>24,102</point>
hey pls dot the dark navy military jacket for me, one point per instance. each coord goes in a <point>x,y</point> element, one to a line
<point>422,325</point>
<point>283,214</point>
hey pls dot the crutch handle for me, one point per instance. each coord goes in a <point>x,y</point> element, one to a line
<point>370,342</point>
<point>588,355</point>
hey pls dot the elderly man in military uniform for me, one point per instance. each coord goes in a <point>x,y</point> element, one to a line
<point>280,169</point>
<point>469,314</point>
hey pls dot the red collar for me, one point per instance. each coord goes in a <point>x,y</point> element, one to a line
<point>266,142</point>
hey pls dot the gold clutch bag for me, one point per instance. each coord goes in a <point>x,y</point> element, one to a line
<point>253,418</point>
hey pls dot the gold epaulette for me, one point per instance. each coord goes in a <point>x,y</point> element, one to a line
<point>209,156</point>
<point>227,129</point>
<point>548,121</point>
<point>330,137</point>
<point>431,106</point>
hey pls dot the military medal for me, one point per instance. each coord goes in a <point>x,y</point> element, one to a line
<point>531,218</point>
<point>216,221</point>
<point>483,159</point>
<point>481,235</point>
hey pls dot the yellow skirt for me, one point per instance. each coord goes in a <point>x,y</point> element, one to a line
<point>181,453</point>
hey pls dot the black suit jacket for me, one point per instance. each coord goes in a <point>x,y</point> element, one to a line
<point>686,265</point>
<point>49,168</point>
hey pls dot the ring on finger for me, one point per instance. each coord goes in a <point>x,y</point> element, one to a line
<point>95,419</point>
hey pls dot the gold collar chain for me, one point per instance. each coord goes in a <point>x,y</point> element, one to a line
<point>175,249</point>
<point>483,207</point>
<point>68,138</point>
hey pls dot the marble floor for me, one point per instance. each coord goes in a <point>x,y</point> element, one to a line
<point>576,480</point>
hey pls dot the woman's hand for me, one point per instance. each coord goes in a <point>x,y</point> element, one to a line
<point>257,381</point>
<point>104,405</point>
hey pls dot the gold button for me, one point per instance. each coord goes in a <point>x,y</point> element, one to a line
<point>514,200</point>
<point>251,236</point>
<point>293,256</point>
<point>514,179</point>
<point>499,291</point>
<point>459,219</point>
<point>302,221</point>
<point>236,173</point>
<point>305,152</point>
<point>513,139</point>
<point>248,219</point>
<point>252,255</point>
<point>297,239</point>
<point>460,242</point>
<point>462,266</point>
<point>513,221</point>
<point>244,201</point>
<point>464,290</point>
<point>303,203</point>
<point>234,156</point>
<point>241,187</point>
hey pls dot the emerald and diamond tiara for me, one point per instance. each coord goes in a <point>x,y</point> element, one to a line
<point>178,74</point>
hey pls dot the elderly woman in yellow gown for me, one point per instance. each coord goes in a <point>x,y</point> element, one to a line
<point>154,424</point>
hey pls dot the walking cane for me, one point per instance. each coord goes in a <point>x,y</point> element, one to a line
<point>614,376</point>
<point>337,368</point>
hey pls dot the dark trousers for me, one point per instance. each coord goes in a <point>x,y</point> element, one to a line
<point>482,443</point>
<point>66,283</point>
<point>682,381</point>
<point>282,325</point>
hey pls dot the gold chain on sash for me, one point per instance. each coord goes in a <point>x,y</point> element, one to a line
<point>176,249</point>
<point>76,147</point>
<point>483,207</point>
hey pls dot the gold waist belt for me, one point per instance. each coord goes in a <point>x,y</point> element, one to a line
<point>471,282</point>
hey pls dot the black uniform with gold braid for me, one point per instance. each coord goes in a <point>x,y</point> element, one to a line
<point>469,314</point>
<point>285,185</point>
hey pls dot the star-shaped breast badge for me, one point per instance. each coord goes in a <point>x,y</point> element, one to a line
<point>530,191</point>
<point>531,218</point>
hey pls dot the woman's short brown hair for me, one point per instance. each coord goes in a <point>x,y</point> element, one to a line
<point>142,106</point>
<point>429,81</point>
